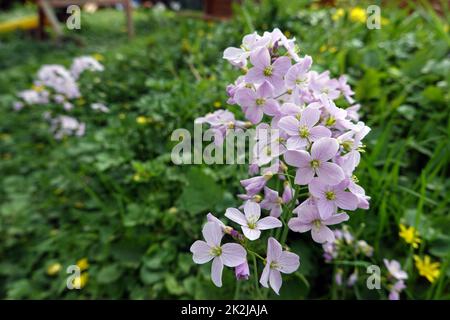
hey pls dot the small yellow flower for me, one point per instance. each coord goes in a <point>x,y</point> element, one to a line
<point>98,57</point>
<point>287,34</point>
<point>427,269</point>
<point>80,281</point>
<point>384,21</point>
<point>410,235</point>
<point>136,177</point>
<point>83,264</point>
<point>217,104</point>
<point>37,88</point>
<point>53,269</point>
<point>358,14</point>
<point>338,14</point>
<point>173,210</point>
<point>142,120</point>
<point>323,48</point>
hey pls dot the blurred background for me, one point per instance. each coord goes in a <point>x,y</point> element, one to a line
<point>106,197</point>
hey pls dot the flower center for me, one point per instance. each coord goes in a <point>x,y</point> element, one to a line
<point>315,163</point>
<point>268,151</point>
<point>303,132</point>
<point>330,121</point>
<point>274,265</point>
<point>260,101</point>
<point>330,195</point>
<point>268,71</point>
<point>268,175</point>
<point>317,223</point>
<point>216,251</point>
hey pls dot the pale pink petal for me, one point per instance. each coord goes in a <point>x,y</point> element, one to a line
<point>299,159</point>
<point>275,280</point>
<point>290,125</point>
<point>288,262</point>
<point>324,149</point>
<point>319,132</point>
<point>254,114</point>
<point>299,225</point>
<point>260,58</point>
<point>252,211</point>
<point>346,200</point>
<point>233,254</point>
<point>268,223</point>
<point>317,188</point>
<point>254,75</point>
<point>336,218</point>
<point>296,143</point>
<point>245,97</point>
<point>264,280</point>
<point>235,215</point>
<point>216,271</point>
<point>281,66</point>
<point>309,117</point>
<point>272,108</point>
<point>330,173</point>
<point>212,232</point>
<point>265,90</point>
<point>273,249</point>
<point>201,252</point>
<point>326,208</point>
<point>251,234</point>
<point>322,234</point>
<point>303,175</point>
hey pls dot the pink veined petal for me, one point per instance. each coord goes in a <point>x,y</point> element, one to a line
<point>299,159</point>
<point>254,114</point>
<point>275,280</point>
<point>233,254</point>
<point>277,83</point>
<point>254,75</point>
<point>273,250</point>
<point>290,125</point>
<point>288,262</point>
<point>322,234</point>
<point>305,64</point>
<point>276,211</point>
<point>212,233</point>
<point>299,225</point>
<point>252,211</point>
<point>319,132</point>
<point>201,252</point>
<point>268,223</point>
<point>264,280</point>
<point>260,58</point>
<point>317,188</point>
<point>324,149</point>
<point>232,53</point>
<point>235,215</point>
<point>251,234</point>
<point>303,175</point>
<point>296,143</point>
<point>216,271</point>
<point>346,200</point>
<point>307,212</point>
<point>265,90</point>
<point>245,97</point>
<point>291,77</point>
<point>336,219</point>
<point>330,173</point>
<point>272,108</point>
<point>309,117</point>
<point>281,66</point>
<point>326,208</point>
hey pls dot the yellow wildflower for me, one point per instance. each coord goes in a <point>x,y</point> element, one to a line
<point>81,280</point>
<point>136,177</point>
<point>427,269</point>
<point>323,48</point>
<point>53,269</point>
<point>287,34</point>
<point>37,88</point>
<point>83,264</point>
<point>141,120</point>
<point>338,14</point>
<point>98,57</point>
<point>410,235</point>
<point>217,104</point>
<point>358,14</point>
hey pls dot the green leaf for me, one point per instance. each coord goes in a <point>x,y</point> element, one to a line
<point>109,274</point>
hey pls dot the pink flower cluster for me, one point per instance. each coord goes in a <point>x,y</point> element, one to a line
<point>314,152</point>
<point>55,84</point>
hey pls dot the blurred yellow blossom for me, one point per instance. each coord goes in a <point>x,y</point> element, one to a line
<point>358,14</point>
<point>53,269</point>
<point>83,264</point>
<point>98,57</point>
<point>217,104</point>
<point>410,235</point>
<point>427,269</point>
<point>142,120</point>
<point>37,88</point>
<point>81,280</point>
<point>338,14</point>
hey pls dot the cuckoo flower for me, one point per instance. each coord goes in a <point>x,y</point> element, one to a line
<point>256,103</point>
<point>264,70</point>
<point>250,223</point>
<point>229,254</point>
<point>309,219</point>
<point>277,261</point>
<point>329,198</point>
<point>272,201</point>
<point>297,75</point>
<point>396,289</point>
<point>303,131</point>
<point>255,184</point>
<point>316,163</point>
<point>395,269</point>
<point>242,271</point>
